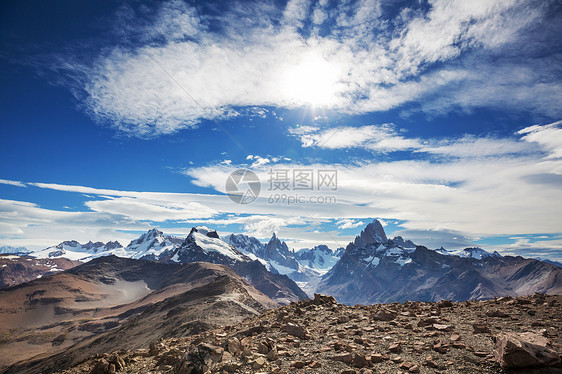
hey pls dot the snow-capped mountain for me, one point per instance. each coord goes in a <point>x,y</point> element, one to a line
<point>399,241</point>
<point>304,267</point>
<point>476,252</point>
<point>204,244</point>
<point>473,252</point>
<point>275,255</point>
<point>153,245</point>
<point>8,250</point>
<point>373,234</point>
<point>75,251</point>
<point>320,258</point>
<point>374,269</point>
<point>250,246</point>
<point>278,258</point>
<point>246,244</point>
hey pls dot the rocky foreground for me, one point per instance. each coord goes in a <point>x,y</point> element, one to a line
<point>522,334</point>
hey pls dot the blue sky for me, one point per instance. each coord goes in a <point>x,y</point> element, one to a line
<point>441,118</point>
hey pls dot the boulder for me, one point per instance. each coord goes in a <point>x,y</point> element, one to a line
<point>360,361</point>
<point>346,357</point>
<point>101,367</point>
<point>430,321</point>
<point>445,303</point>
<point>479,328</point>
<point>384,315</point>
<point>295,330</point>
<point>234,346</point>
<point>496,313</point>
<point>323,300</point>
<point>524,350</point>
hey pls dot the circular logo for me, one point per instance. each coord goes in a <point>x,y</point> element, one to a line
<point>243,186</point>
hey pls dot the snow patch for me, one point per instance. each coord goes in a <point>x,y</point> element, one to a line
<point>215,245</point>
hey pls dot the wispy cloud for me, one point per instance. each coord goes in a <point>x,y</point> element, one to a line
<point>548,137</point>
<point>503,193</point>
<point>348,224</point>
<point>501,179</point>
<point>381,138</point>
<point>374,61</point>
<point>12,183</point>
<point>386,138</point>
<point>449,201</point>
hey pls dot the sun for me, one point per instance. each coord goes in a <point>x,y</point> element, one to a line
<point>313,81</point>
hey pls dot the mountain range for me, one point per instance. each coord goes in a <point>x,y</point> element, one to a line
<point>372,268</point>
<point>375,269</point>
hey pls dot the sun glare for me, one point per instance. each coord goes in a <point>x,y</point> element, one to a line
<point>312,81</point>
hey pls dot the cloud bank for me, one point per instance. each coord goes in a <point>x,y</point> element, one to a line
<point>176,65</point>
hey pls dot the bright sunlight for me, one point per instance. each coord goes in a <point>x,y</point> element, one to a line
<point>312,81</point>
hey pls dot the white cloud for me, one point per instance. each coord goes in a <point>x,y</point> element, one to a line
<point>260,226</point>
<point>381,138</point>
<point>296,12</point>
<point>258,161</point>
<point>472,146</point>
<point>151,210</point>
<point>485,189</point>
<point>502,193</point>
<point>348,224</point>
<point>384,138</point>
<point>12,183</point>
<point>27,224</point>
<point>179,71</point>
<point>548,137</point>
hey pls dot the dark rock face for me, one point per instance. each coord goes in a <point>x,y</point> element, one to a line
<point>277,251</point>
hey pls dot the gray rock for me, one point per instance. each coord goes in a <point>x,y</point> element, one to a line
<point>524,350</point>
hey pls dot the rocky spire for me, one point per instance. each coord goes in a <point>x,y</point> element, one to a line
<point>373,233</point>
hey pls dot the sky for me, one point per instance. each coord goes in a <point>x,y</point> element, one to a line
<point>443,119</point>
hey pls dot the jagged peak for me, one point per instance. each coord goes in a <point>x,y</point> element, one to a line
<point>317,248</point>
<point>373,233</point>
<point>93,244</point>
<point>153,232</point>
<point>204,230</point>
<point>71,243</point>
<point>276,241</point>
<point>149,235</point>
<point>398,240</point>
<point>113,244</point>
